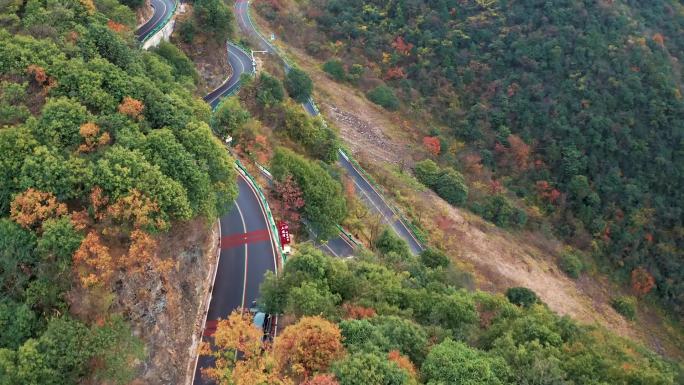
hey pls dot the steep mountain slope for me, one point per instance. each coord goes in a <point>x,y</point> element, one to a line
<point>575,107</point>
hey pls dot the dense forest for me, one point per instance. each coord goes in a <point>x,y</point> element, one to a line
<point>103,147</point>
<point>575,106</point>
<point>391,318</point>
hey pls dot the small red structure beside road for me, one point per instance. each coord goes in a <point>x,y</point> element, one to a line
<point>284,232</point>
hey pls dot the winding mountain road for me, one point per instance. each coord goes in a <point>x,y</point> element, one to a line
<point>241,62</point>
<point>364,189</point>
<point>163,9</point>
<point>248,246</point>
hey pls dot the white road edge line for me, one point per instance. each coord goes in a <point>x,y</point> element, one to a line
<point>244,280</point>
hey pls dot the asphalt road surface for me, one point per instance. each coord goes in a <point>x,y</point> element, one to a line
<point>241,62</point>
<point>247,253</point>
<point>162,10</point>
<point>366,192</point>
<point>248,250</point>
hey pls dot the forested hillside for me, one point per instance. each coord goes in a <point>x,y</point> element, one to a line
<point>103,149</point>
<point>392,318</point>
<point>574,106</point>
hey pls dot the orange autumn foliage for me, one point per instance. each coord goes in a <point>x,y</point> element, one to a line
<point>142,256</point>
<point>38,73</point>
<point>321,379</point>
<point>309,346</point>
<point>32,207</point>
<point>401,46</point>
<point>432,145</point>
<point>395,73</point>
<point>89,131</point>
<point>403,362</point>
<point>131,107</point>
<point>472,164</point>
<point>92,262</point>
<point>357,311</point>
<point>238,333</point>
<point>98,201</point>
<point>642,281</point>
<point>520,151</point>
<point>41,78</point>
<point>136,209</point>
<point>291,200</point>
<point>80,219</point>
<point>659,39</point>
<point>116,27</point>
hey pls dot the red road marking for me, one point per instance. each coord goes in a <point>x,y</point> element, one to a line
<point>210,328</point>
<point>244,238</point>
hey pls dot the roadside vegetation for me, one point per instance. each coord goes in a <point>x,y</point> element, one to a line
<point>104,150</point>
<point>388,317</point>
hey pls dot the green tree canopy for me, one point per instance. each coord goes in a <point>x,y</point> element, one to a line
<point>325,205</point>
<point>453,362</point>
<point>298,85</point>
<point>369,369</point>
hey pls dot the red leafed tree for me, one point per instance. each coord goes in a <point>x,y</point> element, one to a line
<point>291,201</point>
<point>432,145</point>
<point>92,262</point>
<point>41,78</point>
<point>131,107</point>
<point>495,187</point>
<point>642,281</point>
<point>401,46</point>
<point>32,207</point>
<point>38,73</point>
<point>116,27</point>
<point>547,192</point>
<point>309,346</point>
<point>321,379</point>
<point>512,89</point>
<point>395,73</point>
<point>358,312</point>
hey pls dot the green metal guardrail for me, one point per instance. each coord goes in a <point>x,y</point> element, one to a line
<point>269,215</point>
<point>162,24</point>
<point>348,235</point>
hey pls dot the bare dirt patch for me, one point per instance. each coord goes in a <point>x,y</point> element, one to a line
<point>211,62</point>
<point>210,57</point>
